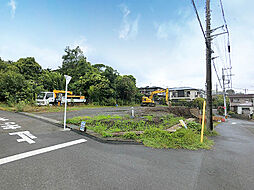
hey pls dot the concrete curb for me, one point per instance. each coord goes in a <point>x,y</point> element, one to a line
<point>74,128</point>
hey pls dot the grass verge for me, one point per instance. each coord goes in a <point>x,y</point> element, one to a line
<point>150,130</point>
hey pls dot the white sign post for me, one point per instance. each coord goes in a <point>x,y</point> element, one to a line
<point>67,78</point>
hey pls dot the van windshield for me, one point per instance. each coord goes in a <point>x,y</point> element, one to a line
<point>41,95</point>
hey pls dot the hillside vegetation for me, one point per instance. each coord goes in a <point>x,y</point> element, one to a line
<point>21,80</point>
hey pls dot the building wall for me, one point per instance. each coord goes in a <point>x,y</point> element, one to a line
<point>188,95</point>
<point>242,105</point>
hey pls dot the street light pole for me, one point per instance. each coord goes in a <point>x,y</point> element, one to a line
<point>67,78</point>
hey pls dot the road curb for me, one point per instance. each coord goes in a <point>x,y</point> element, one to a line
<point>59,124</point>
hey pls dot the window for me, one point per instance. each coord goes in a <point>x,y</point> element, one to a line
<point>41,95</point>
<point>180,93</point>
<point>49,95</point>
<point>236,100</point>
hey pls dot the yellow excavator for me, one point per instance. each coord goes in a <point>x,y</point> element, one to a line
<point>148,101</point>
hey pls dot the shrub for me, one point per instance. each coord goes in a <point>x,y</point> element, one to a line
<point>20,106</point>
<point>194,125</point>
<point>130,135</point>
<point>231,113</point>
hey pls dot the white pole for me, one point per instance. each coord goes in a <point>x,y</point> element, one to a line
<point>65,105</point>
<point>224,94</point>
<point>68,78</point>
<point>132,112</point>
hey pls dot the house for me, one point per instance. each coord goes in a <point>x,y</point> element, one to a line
<point>175,94</point>
<point>185,93</point>
<point>148,90</point>
<point>242,103</point>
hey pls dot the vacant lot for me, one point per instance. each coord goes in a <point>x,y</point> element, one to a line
<point>155,127</point>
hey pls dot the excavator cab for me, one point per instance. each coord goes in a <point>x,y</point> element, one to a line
<point>147,102</point>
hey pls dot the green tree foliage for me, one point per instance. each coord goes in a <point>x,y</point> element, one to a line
<point>198,103</point>
<point>28,67</point>
<point>75,63</point>
<point>22,80</point>
<point>218,101</point>
<point>51,80</point>
<point>14,87</point>
<point>126,88</point>
<point>101,84</point>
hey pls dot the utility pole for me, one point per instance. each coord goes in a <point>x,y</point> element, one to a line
<point>224,94</point>
<point>209,121</point>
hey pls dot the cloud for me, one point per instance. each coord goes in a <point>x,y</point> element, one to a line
<point>13,6</point>
<point>46,57</point>
<point>129,27</point>
<point>176,62</point>
<point>87,49</point>
<point>165,30</point>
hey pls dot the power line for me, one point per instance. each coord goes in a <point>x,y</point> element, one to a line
<point>217,73</point>
<point>229,47</point>
<point>196,11</point>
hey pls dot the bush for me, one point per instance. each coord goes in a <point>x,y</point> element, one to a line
<point>111,102</point>
<point>231,113</point>
<point>220,110</point>
<point>130,135</point>
<point>194,125</point>
<point>20,106</point>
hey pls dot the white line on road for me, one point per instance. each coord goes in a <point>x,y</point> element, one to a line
<point>233,123</point>
<point>39,151</point>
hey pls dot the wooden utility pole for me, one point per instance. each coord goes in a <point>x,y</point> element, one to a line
<point>209,120</point>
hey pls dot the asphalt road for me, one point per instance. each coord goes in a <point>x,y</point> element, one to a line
<point>93,165</point>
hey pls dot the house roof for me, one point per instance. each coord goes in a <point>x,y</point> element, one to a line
<point>182,88</point>
<point>151,87</point>
<point>170,89</point>
<point>241,96</point>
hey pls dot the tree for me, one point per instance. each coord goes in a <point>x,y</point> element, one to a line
<point>125,88</point>
<point>52,80</point>
<point>218,101</point>
<point>29,68</point>
<point>14,87</point>
<point>198,103</point>
<point>75,64</point>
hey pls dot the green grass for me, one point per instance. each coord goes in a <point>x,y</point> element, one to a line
<point>5,107</point>
<point>153,126</point>
<point>183,138</point>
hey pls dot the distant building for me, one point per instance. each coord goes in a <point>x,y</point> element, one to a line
<point>147,90</point>
<point>242,103</point>
<point>176,94</point>
<point>185,93</point>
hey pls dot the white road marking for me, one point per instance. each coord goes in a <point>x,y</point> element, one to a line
<point>10,125</point>
<point>3,119</point>
<point>233,123</point>
<point>25,136</point>
<point>39,151</point>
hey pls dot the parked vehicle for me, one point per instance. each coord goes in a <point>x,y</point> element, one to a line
<point>57,97</point>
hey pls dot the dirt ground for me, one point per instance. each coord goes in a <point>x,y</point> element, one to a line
<point>141,111</point>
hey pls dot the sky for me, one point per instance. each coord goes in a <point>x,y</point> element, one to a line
<point>159,42</point>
